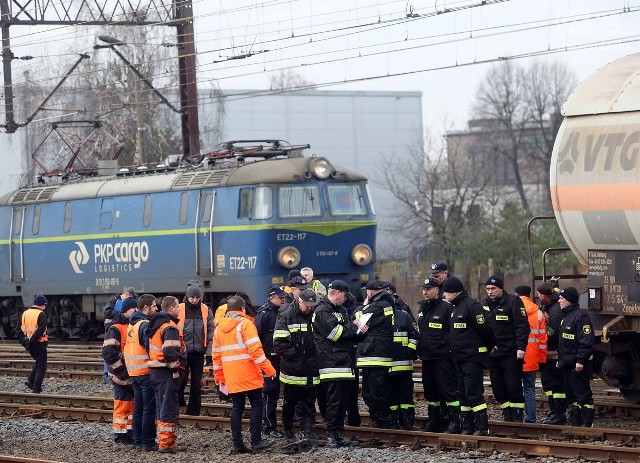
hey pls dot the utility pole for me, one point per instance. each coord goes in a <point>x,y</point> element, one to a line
<point>7,56</point>
<point>187,75</point>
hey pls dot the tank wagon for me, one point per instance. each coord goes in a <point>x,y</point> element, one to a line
<point>595,189</point>
<point>237,219</point>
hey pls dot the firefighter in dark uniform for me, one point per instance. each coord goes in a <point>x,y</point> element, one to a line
<point>334,335</point>
<point>438,370</point>
<point>374,352</point>
<point>575,357</point>
<point>471,340</point>
<point>293,342</point>
<point>265,323</point>
<point>510,324</point>
<point>400,377</point>
<point>550,375</point>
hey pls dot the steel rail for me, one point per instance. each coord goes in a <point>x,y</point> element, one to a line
<point>377,437</point>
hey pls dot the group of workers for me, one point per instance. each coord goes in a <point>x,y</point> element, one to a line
<point>310,343</point>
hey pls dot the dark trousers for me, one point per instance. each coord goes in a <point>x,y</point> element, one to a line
<point>195,365</point>
<point>375,395</point>
<point>237,410</point>
<point>552,379</point>
<point>470,387</point>
<point>165,387</point>
<point>400,386</point>
<point>439,381</point>
<point>270,395</point>
<point>506,379</point>
<point>352,406</point>
<point>578,385</point>
<point>294,395</point>
<point>144,412</point>
<point>336,405</point>
<point>38,351</point>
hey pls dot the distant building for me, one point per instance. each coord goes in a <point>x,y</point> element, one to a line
<point>484,149</point>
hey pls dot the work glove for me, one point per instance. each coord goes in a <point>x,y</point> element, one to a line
<point>208,361</point>
<point>27,344</point>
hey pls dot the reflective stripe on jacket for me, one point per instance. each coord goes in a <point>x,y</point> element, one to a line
<point>166,346</point>
<point>536,352</point>
<point>29,323</point>
<point>136,356</point>
<point>238,358</point>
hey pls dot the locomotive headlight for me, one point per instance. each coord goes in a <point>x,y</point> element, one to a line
<point>320,167</point>
<point>361,254</point>
<point>289,257</point>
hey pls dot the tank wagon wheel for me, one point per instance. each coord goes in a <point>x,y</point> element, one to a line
<point>632,395</point>
<point>90,331</point>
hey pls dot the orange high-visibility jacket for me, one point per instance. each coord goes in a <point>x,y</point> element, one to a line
<point>136,356</point>
<point>238,357</point>
<point>29,323</point>
<point>537,347</point>
<point>166,347</point>
<point>204,310</point>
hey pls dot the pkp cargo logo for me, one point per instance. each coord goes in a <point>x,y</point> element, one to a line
<point>79,257</point>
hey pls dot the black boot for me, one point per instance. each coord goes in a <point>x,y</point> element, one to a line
<point>559,412</point>
<point>481,422</point>
<point>343,441</point>
<point>394,421</point>
<point>434,419</point>
<point>587,414</point>
<point>454,421</point>
<point>332,442</point>
<point>466,419</point>
<point>576,416</point>
<point>507,414</point>
<point>408,419</point>
<point>551,402</point>
<point>518,415</point>
<point>310,435</point>
<point>289,434</point>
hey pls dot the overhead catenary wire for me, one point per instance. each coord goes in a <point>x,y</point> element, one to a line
<point>390,74</point>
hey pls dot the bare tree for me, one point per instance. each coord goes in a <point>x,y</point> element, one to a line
<point>287,79</point>
<point>520,109</point>
<point>439,196</point>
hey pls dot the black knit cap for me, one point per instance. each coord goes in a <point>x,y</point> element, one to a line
<point>570,294</point>
<point>523,290</point>
<point>452,285</point>
<point>495,280</point>
<point>297,282</point>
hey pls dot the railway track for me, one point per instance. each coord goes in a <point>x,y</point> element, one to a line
<point>11,459</point>
<point>615,445</point>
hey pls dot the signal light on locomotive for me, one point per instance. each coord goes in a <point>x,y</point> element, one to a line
<point>361,254</point>
<point>321,168</point>
<point>289,257</point>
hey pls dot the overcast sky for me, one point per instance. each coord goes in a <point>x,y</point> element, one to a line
<point>422,45</point>
<point>434,43</point>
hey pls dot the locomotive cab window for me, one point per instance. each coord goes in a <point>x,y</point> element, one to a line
<point>299,201</point>
<point>346,200</point>
<point>255,203</point>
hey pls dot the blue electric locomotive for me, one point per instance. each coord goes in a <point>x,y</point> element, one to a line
<point>237,220</point>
